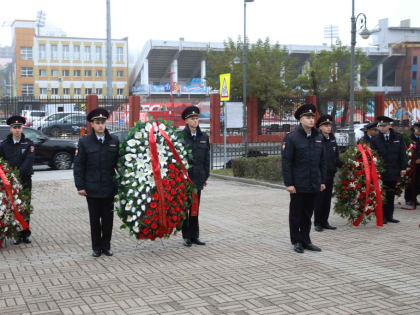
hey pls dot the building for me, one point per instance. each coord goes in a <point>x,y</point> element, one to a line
<point>68,67</point>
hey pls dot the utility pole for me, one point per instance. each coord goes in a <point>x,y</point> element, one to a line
<point>108,50</point>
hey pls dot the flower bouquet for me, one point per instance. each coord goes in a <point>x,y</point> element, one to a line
<point>154,190</point>
<point>405,180</point>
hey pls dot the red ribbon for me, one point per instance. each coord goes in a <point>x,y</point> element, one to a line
<point>8,187</point>
<point>158,176</point>
<point>371,175</point>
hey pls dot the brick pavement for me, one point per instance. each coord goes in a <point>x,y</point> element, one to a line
<point>247,267</point>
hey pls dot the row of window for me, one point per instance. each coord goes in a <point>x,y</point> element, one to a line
<point>28,90</point>
<point>27,72</point>
<point>26,53</point>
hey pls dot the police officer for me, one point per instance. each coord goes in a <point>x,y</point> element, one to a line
<point>371,131</point>
<point>414,188</point>
<point>199,172</point>
<point>304,172</point>
<point>19,152</point>
<point>323,200</point>
<point>94,169</point>
<point>391,148</point>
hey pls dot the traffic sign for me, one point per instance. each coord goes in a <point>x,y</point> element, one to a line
<point>225,87</point>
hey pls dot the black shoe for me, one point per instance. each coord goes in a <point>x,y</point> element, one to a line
<point>17,241</point>
<point>197,241</point>
<point>409,203</point>
<point>26,240</point>
<point>298,248</point>
<point>384,221</point>
<point>107,252</point>
<point>96,253</point>
<point>393,220</point>
<point>318,228</point>
<point>312,247</point>
<point>187,242</point>
<point>329,227</point>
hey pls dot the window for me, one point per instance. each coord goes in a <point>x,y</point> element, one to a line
<point>87,53</point>
<point>27,89</point>
<point>54,72</point>
<point>42,72</point>
<point>77,73</point>
<point>120,92</point>
<point>120,55</point>
<point>54,91</point>
<point>88,73</point>
<point>76,52</point>
<point>98,51</point>
<point>414,75</point>
<point>43,91</point>
<point>99,73</point>
<point>54,52</point>
<point>26,53</point>
<point>66,91</point>
<point>42,52</point>
<point>66,52</point>
<point>120,74</point>
<point>88,91</point>
<point>66,73</point>
<point>77,91</point>
<point>98,91</point>
<point>26,72</point>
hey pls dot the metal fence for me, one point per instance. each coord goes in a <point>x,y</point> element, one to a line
<point>236,150</point>
<point>62,117</point>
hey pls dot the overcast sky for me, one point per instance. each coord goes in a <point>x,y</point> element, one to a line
<point>284,21</point>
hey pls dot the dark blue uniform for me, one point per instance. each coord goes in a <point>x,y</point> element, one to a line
<point>414,188</point>
<point>20,156</point>
<point>304,167</point>
<point>198,173</point>
<point>323,200</point>
<point>366,139</point>
<point>94,170</point>
<point>395,159</point>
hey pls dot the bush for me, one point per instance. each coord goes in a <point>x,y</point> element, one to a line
<point>265,168</point>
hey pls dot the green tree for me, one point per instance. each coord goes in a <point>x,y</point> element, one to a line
<point>271,73</point>
<point>327,75</point>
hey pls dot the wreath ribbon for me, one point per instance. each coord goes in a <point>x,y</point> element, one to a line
<point>371,175</point>
<point>9,191</point>
<point>158,176</point>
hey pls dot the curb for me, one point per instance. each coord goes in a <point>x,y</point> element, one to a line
<point>248,181</point>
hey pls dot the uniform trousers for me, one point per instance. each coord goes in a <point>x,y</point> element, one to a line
<point>101,216</point>
<point>190,227</point>
<point>27,185</point>
<point>323,203</point>
<point>388,207</point>
<point>300,213</point>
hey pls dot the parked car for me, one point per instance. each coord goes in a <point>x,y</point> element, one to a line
<point>32,115</point>
<point>51,119</point>
<point>58,154</point>
<point>65,125</point>
<point>120,134</point>
<point>342,134</point>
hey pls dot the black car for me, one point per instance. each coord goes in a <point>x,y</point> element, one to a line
<point>69,124</point>
<point>58,154</point>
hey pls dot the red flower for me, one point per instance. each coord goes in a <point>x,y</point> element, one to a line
<point>166,207</point>
<point>141,236</point>
<point>149,213</point>
<point>170,198</point>
<point>153,226</point>
<point>168,188</point>
<point>147,221</point>
<point>153,205</point>
<point>171,175</point>
<point>182,186</point>
<point>165,182</point>
<point>171,166</point>
<point>172,183</point>
<point>177,179</point>
<point>146,231</point>
<point>156,196</point>
<point>155,217</point>
<point>173,191</point>
<point>174,217</point>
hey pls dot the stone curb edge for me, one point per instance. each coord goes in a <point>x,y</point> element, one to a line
<point>248,181</point>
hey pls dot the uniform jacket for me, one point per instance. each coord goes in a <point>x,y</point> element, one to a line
<point>332,155</point>
<point>392,152</point>
<point>304,161</point>
<point>366,139</point>
<point>95,164</point>
<point>20,155</point>
<point>417,141</point>
<point>200,147</point>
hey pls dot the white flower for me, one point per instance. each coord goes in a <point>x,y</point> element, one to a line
<point>131,142</point>
<point>162,127</point>
<point>128,157</point>
<point>149,200</point>
<point>128,207</point>
<point>129,218</point>
<point>136,229</point>
<point>143,196</point>
<point>138,135</point>
<point>148,127</point>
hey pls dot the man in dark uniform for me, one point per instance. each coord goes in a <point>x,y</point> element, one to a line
<point>19,152</point>
<point>323,200</point>
<point>414,188</point>
<point>199,172</point>
<point>94,169</point>
<point>371,131</point>
<point>304,172</point>
<point>391,148</point>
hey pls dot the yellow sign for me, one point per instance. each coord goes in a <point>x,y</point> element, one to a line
<point>225,87</point>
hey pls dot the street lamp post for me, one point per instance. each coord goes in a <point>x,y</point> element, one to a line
<point>244,99</point>
<point>365,33</point>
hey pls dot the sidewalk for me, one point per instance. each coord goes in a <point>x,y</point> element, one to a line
<point>247,267</point>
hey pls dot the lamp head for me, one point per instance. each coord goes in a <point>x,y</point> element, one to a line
<point>236,60</point>
<point>365,33</point>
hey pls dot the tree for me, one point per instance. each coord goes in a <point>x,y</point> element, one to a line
<point>327,75</point>
<point>270,72</point>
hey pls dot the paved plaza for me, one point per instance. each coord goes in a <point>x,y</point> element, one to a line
<point>247,267</point>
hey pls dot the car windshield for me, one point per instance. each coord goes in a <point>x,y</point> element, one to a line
<point>33,135</point>
<point>56,116</point>
<point>37,114</point>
